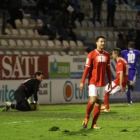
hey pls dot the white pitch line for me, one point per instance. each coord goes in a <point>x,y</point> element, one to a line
<point>58,119</point>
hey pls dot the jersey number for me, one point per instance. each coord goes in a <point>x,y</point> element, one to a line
<point>131,57</point>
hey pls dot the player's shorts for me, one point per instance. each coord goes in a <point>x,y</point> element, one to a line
<point>115,88</point>
<point>97,91</point>
<point>132,75</point>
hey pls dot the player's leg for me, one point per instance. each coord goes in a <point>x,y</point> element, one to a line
<point>105,108</point>
<point>106,101</point>
<point>7,106</point>
<point>128,92</point>
<point>115,88</point>
<point>22,106</point>
<point>19,96</point>
<point>96,111</point>
<point>131,84</point>
<point>92,100</point>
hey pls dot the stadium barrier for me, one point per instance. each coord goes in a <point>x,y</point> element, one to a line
<point>64,71</point>
<point>60,92</point>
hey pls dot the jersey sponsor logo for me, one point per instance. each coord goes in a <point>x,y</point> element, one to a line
<point>101,58</point>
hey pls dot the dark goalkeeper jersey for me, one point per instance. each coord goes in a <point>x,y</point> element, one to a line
<point>32,87</point>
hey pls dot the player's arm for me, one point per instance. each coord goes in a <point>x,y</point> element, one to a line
<point>108,72</point>
<point>109,76</point>
<point>36,87</point>
<point>121,81</point>
<point>86,71</point>
<point>120,70</point>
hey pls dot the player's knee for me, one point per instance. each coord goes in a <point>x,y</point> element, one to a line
<point>93,100</point>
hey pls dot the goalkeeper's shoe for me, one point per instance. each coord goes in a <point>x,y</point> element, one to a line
<point>85,123</point>
<point>96,127</point>
<point>7,106</point>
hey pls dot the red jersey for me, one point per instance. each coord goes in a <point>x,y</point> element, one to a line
<point>98,61</point>
<point>121,66</point>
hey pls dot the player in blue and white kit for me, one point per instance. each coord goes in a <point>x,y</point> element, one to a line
<point>131,56</point>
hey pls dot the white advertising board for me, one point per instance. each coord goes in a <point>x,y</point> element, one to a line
<point>50,92</point>
<point>8,87</point>
<point>58,92</point>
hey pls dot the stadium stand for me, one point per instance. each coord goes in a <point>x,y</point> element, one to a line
<point>26,35</point>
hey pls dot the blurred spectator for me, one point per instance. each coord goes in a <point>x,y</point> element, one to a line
<point>3,7</point>
<point>48,7</point>
<point>125,37</point>
<point>64,23</point>
<point>77,10</point>
<point>97,4</point>
<point>121,41</point>
<point>111,8</point>
<point>137,2</point>
<point>64,5</point>
<point>137,25</point>
<point>42,6</point>
<point>137,44</point>
<point>14,11</point>
<point>47,30</point>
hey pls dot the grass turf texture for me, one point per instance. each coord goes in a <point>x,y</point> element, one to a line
<point>63,122</point>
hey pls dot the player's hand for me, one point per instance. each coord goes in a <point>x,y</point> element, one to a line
<point>109,87</point>
<point>121,87</point>
<point>82,86</point>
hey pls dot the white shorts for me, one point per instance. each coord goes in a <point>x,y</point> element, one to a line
<point>115,88</point>
<point>97,91</point>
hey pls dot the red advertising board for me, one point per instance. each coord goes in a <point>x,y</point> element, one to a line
<point>22,67</point>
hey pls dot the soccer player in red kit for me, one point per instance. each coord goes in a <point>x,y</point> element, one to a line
<point>121,78</point>
<point>97,65</point>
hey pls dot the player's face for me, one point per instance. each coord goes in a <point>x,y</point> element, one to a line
<point>100,43</point>
<point>113,55</point>
<point>40,78</point>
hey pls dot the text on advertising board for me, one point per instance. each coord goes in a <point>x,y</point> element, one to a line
<point>22,67</point>
<point>72,90</point>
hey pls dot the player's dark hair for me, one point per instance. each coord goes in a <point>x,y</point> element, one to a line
<point>117,51</point>
<point>131,44</point>
<point>98,37</point>
<point>38,73</point>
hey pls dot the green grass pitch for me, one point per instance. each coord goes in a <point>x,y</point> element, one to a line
<point>122,123</point>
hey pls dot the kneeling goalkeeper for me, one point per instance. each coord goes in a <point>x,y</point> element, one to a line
<point>25,90</point>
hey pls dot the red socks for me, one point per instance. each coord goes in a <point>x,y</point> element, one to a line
<point>96,114</point>
<point>89,109</point>
<point>106,101</point>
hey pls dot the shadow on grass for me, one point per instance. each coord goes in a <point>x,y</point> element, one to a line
<point>111,112</point>
<point>81,132</point>
<point>120,106</point>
